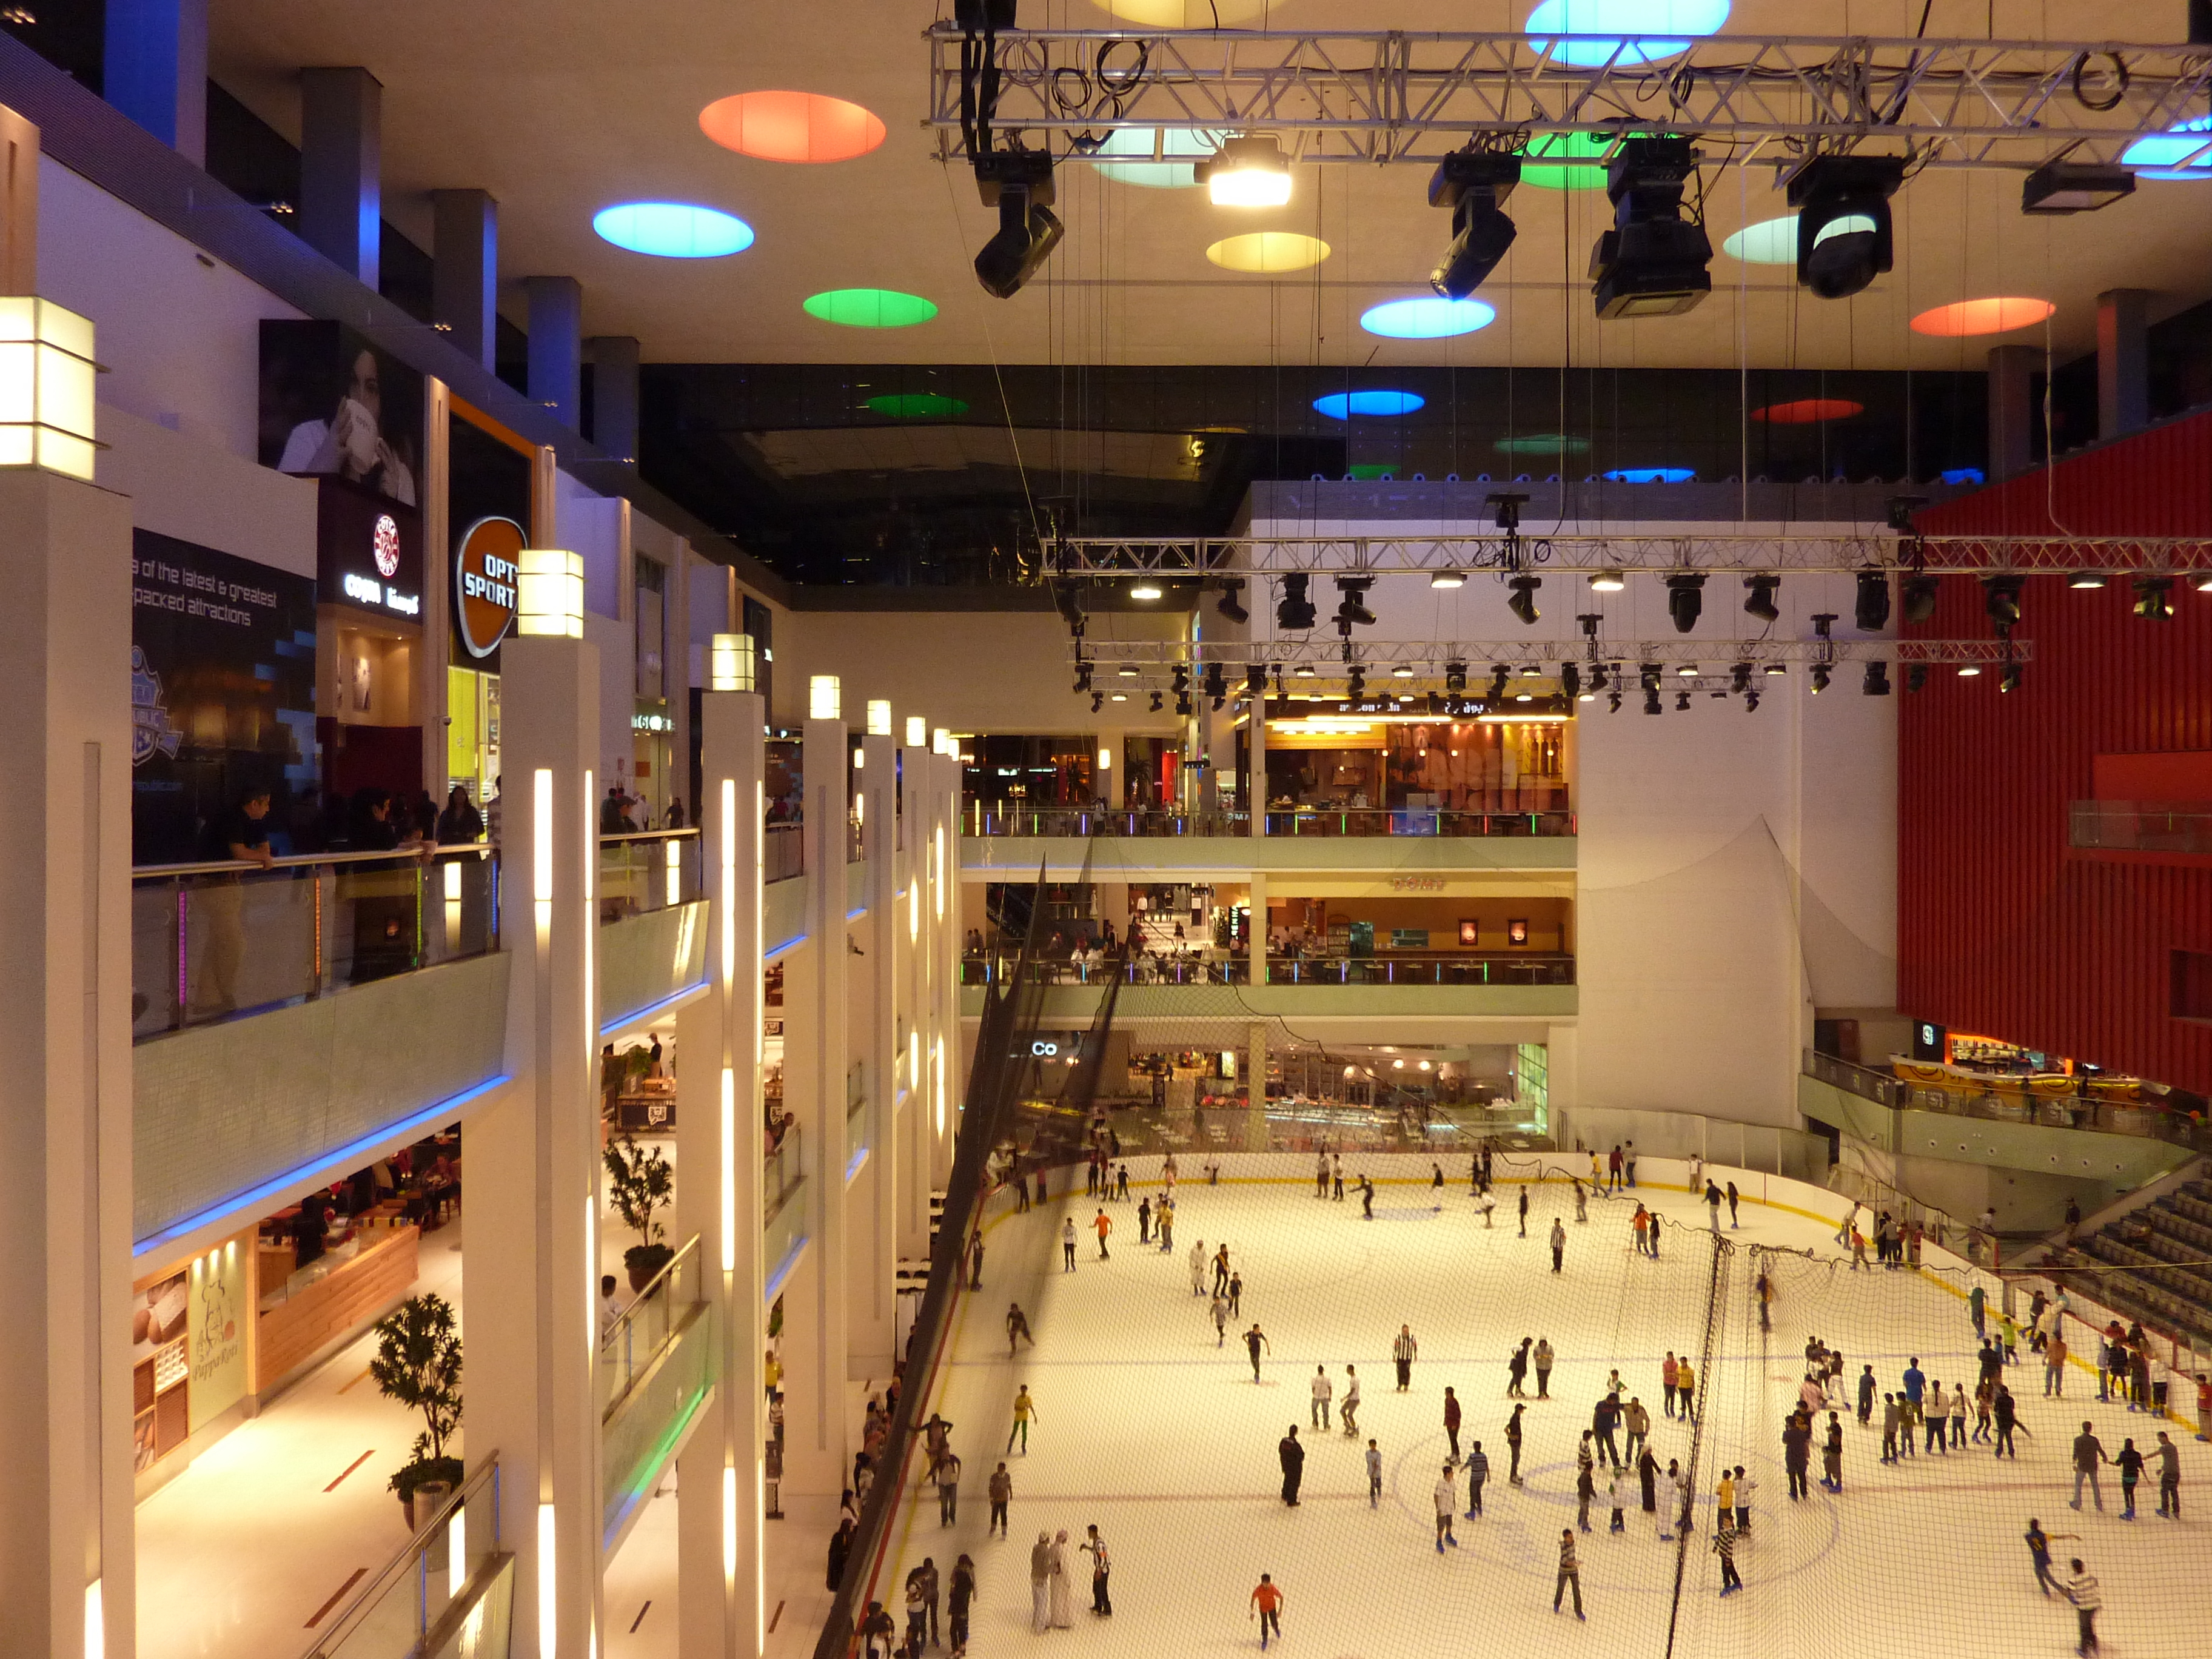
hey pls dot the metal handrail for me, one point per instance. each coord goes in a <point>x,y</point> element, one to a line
<point>305,860</point>
<point>652,1285</point>
<point>689,831</point>
<point>409,1559</point>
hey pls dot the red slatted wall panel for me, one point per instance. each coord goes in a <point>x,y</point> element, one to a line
<point>1999,932</point>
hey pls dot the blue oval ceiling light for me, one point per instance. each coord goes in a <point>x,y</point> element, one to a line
<point>1427,319</point>
<point>1652,474</point>
<point>673,230</point>
<point>2183,150</point>
<point>1624,30</point>
<point>1343,406</point>
<point>1964,475</point>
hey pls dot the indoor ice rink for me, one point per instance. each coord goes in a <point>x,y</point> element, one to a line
<point>1147,1428</point>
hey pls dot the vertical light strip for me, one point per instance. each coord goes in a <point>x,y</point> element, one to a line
<point>937,1067</point>
<point>730,1523</point>
<point>675,862</point>
<point>95,1622</point>
<point>729,1168</point>
<point>457,1553</point>
<point>540,845</point>
<point>729,891</point>
<point>913,1058</point>
<point>592,1275</point>
<point>760,1557</point>
<point>549,1589</point>
<point>913,906</point>
<point>937,883</point>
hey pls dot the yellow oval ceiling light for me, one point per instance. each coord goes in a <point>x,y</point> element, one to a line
<point>1268,252</point>
<point>1183,14</point>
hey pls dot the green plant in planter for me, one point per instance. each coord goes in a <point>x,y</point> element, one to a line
<point>641,1181</point>
<point>418,1364</point>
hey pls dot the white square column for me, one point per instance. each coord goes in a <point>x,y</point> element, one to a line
<point>534,1162</point>
<point>944,900</point>
<point>66,1532</point>
<point>814,1348</point>
<point>721,1474</point>
<point>873,1329</point>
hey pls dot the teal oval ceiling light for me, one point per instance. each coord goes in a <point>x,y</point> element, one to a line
<point>1652,474</point>
<point>2182,151</point>
<point>1541,443</point>
<point>1565,161</point>
<point>673,230</point>
<point>1427,319</point>
<point>869,307</point>
<point>1182,148</point>
<point>1624,30</point>
<point>1769,242</point>
<point>1343,406</point>
<point>916,405</point>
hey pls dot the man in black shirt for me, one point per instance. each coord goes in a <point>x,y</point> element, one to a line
<point>241,835</point>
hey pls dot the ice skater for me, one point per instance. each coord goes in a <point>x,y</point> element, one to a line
<point>1374,1475</point>
<point>1447,1500</point>
<point>1570,1575</point>
<point>1437,1187</point>
<point>1025,1410</point>
<point>1581,1202</point>
<point>2082,1591</point>
<point>1101,1569</point>
<point>1255,1340</point>
<point>1513,1445</point>
<point>1323,1392</point>
<point>1267,1608</point>
<point>1452,1421</point>
<point>1144,1221</point>
<point>1220,1312</point>
<point>1347,1411</point>
<point>1478,1472</point>
<point>1559,1237</point>
<point>1236,1294</point>
<point>1712,1206</point>
<point>1103,1224</point>
<point>1616,1495</point>
<point>2088,1453</point>
<point>1221,1269</point>
<point>2038,1552</point>
<point>1067,1245</point>
<point>1516,1368</point>
<point>1000,1488</point>
<point>1734,1225</point>
<point>1524,1211</point>
<point>1404,1350</point>
<point>1292,1456</point>
<point>1017,1328</point>
<point>1366,1199</point>
<point>1832,1455</point>
<point>2169,1476</point>
<point>1725,1539</point>
<point>1544,1368</point>
<point>1198,1268</point>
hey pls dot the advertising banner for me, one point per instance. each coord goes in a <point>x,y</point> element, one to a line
<point>332,405</point>
<point>222,688</point>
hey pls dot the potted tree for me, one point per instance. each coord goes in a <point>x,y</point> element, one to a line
<point>641,1181</point>
<point>418,1364</point>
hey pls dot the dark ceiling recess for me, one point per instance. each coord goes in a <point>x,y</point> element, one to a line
<point>923,477</point>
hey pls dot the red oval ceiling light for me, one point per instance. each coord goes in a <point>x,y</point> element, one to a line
<point>791,127</point>
<point>1991,316</point>
<point>1809,411</point>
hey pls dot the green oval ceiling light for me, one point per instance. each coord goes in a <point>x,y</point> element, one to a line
<point>870,308</point>
<point>917,405</point>
<point>1566,161</point>
<point>1541,443</point>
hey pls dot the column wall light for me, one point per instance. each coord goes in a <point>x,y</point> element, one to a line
<point>730,664</point>
<point>879,717</point>
<point>549,593</point>
<point>46,371</point>
<point>825,698</point>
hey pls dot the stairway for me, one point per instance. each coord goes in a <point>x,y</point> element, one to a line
<point>2150,1247</point>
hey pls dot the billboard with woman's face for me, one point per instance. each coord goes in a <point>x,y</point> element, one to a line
<point>331,405</point>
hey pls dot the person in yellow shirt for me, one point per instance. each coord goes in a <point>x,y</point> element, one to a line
<point>1025,1409</point>
<point>772,1372</point>
<point>1725,1497</point>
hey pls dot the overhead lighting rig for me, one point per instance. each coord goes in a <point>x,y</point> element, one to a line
<point>1759,597</point>
<point>1844,233</point>
<point>1473,183</point>
<point>1652,262</point>
<point>1294,611</point>
<point>1018,183</point>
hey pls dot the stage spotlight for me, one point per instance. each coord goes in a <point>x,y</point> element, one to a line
<point>1652,263</point>
<point>2074,186</point>
<point>1919,599</point>
<point>1916,675</point>
<point>1473,186</point>
<point>1843,221</point>
<point>1355,687</point>
<point>1523,602</point>
<point>1685,600</point>
<point>1128,671</point>
<point>2000,599</point>
<point>1158,702</point>
<point>1448,578</point>
<point>1018,183</point>
<point>1256,680</point>
<point>1352,609</point>
<point>1217,683</point>
<point>2155,598</point>
<point>1607,582</point>
<point>2086,579</point>
<point>1082,676</point>
<point>1294,611</point>
<point>1066,601</point>
<point>1304,670</point>
<point>1612,702</point>
<point>1761,604</point>
<point>2008,677</point>
<point>1652,702</point>
<point>1740,677</point>
<point>1097,700</point>
<point>1455,677</point>
<point>1498,675</point>
<point>1877,683</point>
<point>1599,678</point>
<point>1750,701</point>
<point>1871,607</point>
<point>1182,682</point>
<point>1819,678</point>
<point>1248,172</point>
<point>1229,604</point>
<point>1689,670</point>
<point>1184,704</point>
<point>1776,669</point>
<point>1571,679</point>
<point>1404,671</point>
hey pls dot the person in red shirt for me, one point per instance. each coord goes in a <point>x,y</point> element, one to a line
<point>1267,1608</point>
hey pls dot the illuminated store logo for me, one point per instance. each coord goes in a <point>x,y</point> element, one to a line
<point>484,572</point>
<point>385,543</point>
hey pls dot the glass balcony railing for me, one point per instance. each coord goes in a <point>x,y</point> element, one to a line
<point>783,854</point>
<point>1078,822</point>
<point>2009,1100</point>
<point>639,1333</point>
<point>2127,826</point>
<point>210,940</point>
<point>655,870</point>
<point>450,1589</point>
<point>1396,968</point>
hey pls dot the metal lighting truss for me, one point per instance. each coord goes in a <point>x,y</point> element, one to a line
<point>1109,557</point>
<point>1396,96</point>
<point>1334,658</point>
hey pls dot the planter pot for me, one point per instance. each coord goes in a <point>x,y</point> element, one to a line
<point>642,1271</point>
<point>428,1498</point>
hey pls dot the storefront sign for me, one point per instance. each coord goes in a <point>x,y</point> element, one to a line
<point>1417,884</point>
<point>485,570</point>
<point>369,552</point>
<point>214,1324</point>
<point>644,721</point>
